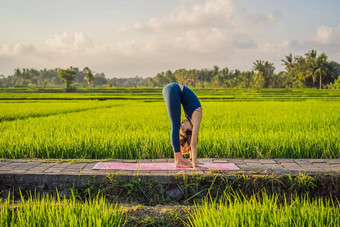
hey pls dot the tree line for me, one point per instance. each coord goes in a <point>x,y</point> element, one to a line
<point>307,71</point>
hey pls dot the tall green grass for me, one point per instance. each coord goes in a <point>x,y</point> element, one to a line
<point>265,210</point>
<point>47,210</point>
<point>132,129</point>
<point>19,110</point>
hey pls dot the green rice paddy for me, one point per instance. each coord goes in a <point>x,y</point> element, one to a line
<point>235,210</point>
<point>232,210</point>
<point>133,123</point>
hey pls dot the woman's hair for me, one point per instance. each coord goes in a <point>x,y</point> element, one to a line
<point>185,139</point>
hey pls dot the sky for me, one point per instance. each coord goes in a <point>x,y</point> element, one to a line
<point>144,37</point>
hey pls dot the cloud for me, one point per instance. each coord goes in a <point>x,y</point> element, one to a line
<point>212,13</point>
<point>17,49</point>
<point>326,39</point>
<point>70,42</point>
<point>264,19</point>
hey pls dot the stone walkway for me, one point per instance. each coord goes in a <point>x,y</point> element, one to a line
<point>84,167</point>
<point>47,175</point>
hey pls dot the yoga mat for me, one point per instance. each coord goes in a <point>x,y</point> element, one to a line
<point>161,166</point>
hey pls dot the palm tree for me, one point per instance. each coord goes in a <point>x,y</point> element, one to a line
<point>88,76</point>
<point>311,65</point>
<point>288,63</point>
<point>266,70</point>
<point>322,68</point>
<point>17,75</point>
<point>68,75</point>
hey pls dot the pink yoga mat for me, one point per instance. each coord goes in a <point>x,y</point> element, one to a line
<point>161,166</point>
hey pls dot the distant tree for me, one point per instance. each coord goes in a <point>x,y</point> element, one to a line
<point>68,75</point>
<point>88,76</point>
<point>322,68</point>
<point>151,82</point>
<point>265,71</point>
<point>170,76</point>
<point>288,62</point>
<point>99,79</point>
<point>161,79</point>
<point>17,76</point>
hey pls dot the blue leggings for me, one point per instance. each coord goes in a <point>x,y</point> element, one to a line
<point>171,94</point>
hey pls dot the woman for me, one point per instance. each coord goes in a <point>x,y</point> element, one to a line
<point>174,95</point>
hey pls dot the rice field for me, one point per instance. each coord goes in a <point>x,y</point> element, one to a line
<point>48,210</point>
<point>253,124</point>
<point>232,210</point>
<point>236,210</point>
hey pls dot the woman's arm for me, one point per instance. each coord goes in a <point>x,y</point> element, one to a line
<point>196,120</point>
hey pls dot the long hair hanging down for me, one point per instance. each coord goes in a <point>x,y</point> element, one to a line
<point>185,139</point>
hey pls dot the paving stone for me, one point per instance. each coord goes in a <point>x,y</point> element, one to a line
<point>322,165</point>
<point>20,160</point>
<point>289,164</point>
<point>255,165</point>
<point>267,161</point>
<point>39,169</point>
<point>251,161</point>
<point>18,170</point>
<point>54,170</point>
<point>292,167</point>
<point>158,160</point>
<point>170,160</point>
<point>242,165</point>
<point>205,160</point>
<point>62,165</point>
<point>317,160</point>
<point>333,161</point>
<point>272,166</point>
<point>246,168</point>
<point>302,162</point>
<point>77,165</point>
<point>28,165</point>
<point>280,161</point>
<point>6,168</point>
<point>11,165</point>
<point>236,160</point>
<point>220,160</point>
<point>5,171</point>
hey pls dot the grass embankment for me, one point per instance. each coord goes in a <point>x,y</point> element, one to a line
<point>232,210</point>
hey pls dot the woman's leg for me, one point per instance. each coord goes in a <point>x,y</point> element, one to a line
<point>173,105</point>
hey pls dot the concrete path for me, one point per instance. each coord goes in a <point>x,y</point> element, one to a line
<point>84,167</point>
<point>49,175</point>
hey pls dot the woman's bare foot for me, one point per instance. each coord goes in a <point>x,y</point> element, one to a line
<point>195,161</point>
<point>180,162</point>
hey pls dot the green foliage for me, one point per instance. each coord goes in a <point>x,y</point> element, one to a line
<point>89,77</point>
<point>47,210</point>
<point>68,75</point>
<point>265,210</point>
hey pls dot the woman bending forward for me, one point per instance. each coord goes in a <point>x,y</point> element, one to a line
<point>186,141</point>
